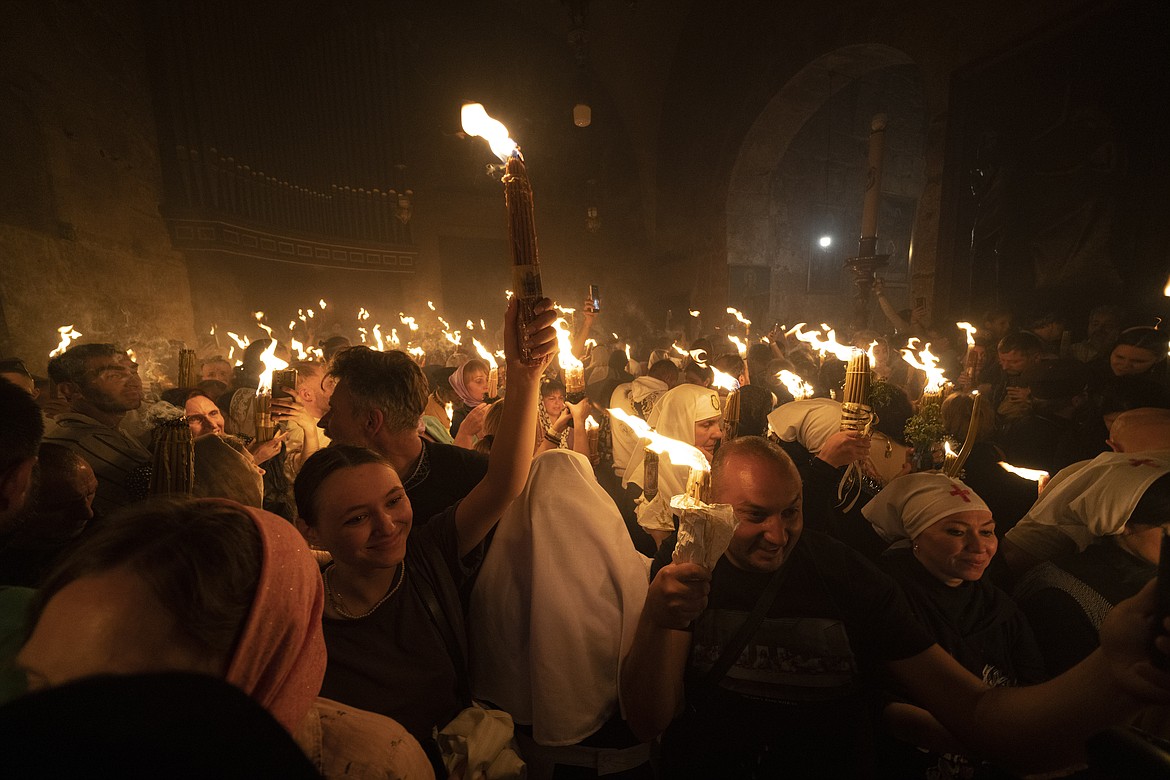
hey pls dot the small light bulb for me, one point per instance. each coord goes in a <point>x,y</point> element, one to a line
<point>825,241</point>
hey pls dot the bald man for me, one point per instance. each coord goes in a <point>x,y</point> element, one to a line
<point>1140,430</point>
<point>793,694</point>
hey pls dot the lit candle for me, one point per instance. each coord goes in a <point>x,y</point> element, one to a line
<point>262,413</point>
<point>521,217</point>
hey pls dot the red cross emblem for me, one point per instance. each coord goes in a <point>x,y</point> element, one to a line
<point>1142,462</point>
<point>958,491</point>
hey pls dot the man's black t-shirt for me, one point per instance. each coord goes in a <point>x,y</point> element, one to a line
<point>445,474</point>
<point>800,700</point>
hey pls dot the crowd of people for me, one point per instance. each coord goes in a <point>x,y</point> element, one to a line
<point>453,570</point>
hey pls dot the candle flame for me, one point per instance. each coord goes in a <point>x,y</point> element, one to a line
<point>431,305</point>
<point>449,408</point>
<point>446,325</point>
<point>694,312</point>
<point>271,363</point>
<point>363,314</point>
<point>299,348</point>
<point>476,122</point>
<point>481,325</point>
<point>928,364</point>
<point>259,315</point>
<point>795,385</point>
<point>470,325</point>
<point>948,451</point>
<point>739,345</point>
<point>68,334</point>
<point>591,424</point>
<point>680,453</point>
<point>590,343</point>
<point>1033,474</point>
<point>212,331</point>
<point>455,338</point>
<point>417,352</point>
<point>309,312</point>
<point>739,316</point>
<point>1166,289</point>
<point>362,333</point>
<point>628,358</point>
<point>242,341</point>
<point>291,324</point>
<point>394,337</point>
<point>483,353</point>
<point>379,345</point>
<point>828,344</point>
<point>565,357</point>
<point>508,294</point>
<point>724,381</point>
<point>971,331</point>
<point>408,321</point>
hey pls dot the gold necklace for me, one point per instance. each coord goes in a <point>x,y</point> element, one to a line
<point>338,606</point>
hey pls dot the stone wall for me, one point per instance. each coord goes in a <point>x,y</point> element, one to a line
<point>81,238</point>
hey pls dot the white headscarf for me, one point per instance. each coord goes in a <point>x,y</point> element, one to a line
<point>911,504</point>
<point>1088,500</point>
<point>556,603</point>
<point>808,423</point>
<point>674,416</point>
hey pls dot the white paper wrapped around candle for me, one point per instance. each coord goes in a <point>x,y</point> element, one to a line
<point>704,531</point>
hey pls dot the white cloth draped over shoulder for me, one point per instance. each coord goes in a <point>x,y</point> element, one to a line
<point>674,417</point>
<point>1087,500</point>
<point>556,603</point>
<point>643,392</point>
<point>809,423</point>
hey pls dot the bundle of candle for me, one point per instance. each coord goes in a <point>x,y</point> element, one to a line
<point>704,529</point>
<point>856,415</point>
<point>973,359</point>
<point>262,414</point>
<point>188,376</point>
<point>573,369</point>
<point>592,438</point>
<point>521,217</point>
<point>650,474</point>
<point>725,381</point>
<point>172,466</point>
<point>953,465</point>
<point>262,411</point>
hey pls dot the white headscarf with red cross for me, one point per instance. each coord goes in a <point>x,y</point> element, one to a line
<point>909,505</point>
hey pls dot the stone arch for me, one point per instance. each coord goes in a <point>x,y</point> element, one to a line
<point>750,205</point>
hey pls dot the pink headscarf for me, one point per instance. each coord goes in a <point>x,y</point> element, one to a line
<point>460,387</point>
<point>280,657</point>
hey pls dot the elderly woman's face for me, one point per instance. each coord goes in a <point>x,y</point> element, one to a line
<point>554,404</point>
<point>107,623</point>
<point>957,548</point>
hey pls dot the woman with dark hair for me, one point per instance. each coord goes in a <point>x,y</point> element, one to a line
<point>214,588</point>
<point>393,615</point>
<point>1140,350</point>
